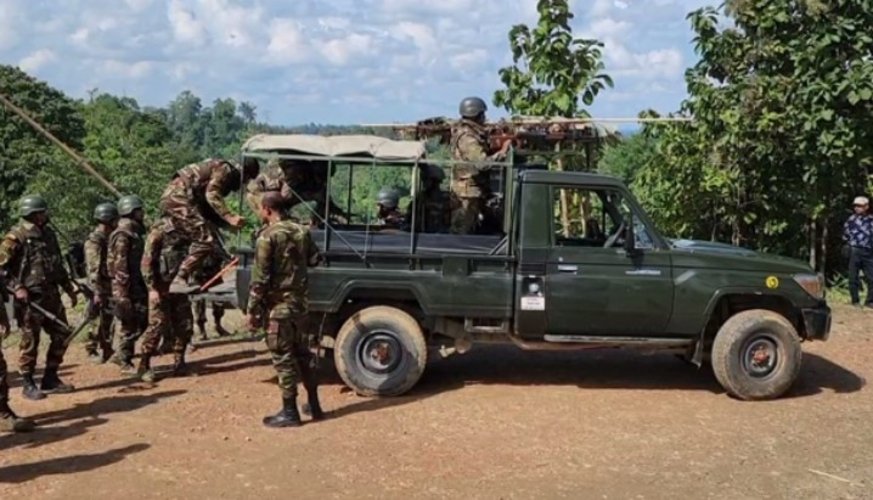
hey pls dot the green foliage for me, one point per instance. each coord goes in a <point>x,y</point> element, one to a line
<point>627,156</point>
<point>551,68</point>
<point>23,153</point>
<point>782,139</point>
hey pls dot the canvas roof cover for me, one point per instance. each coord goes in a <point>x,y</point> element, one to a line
<point>338,145</point>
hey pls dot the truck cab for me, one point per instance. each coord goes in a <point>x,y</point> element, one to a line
<point>577,264</point>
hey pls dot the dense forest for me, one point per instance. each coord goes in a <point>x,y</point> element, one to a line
<point>781,139</point>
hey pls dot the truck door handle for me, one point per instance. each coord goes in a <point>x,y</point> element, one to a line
<point>567,268</point>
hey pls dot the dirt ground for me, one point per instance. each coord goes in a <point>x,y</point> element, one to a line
<point>494,423</point>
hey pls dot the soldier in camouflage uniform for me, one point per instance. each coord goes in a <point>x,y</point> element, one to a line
<point>388,215</point>
<point>31,260</point>
<point>469,143</point>
<point>194,200</point>
<point>211,267</point>
<point>169,314</point>
<point>9,421</point>
<point>96,250</point>
<point>279,302</point>
<point>433,206</point>
<point>126,247</point>
<point>286,177</point>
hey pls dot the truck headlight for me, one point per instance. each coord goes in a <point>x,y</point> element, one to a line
<point>814,284</point>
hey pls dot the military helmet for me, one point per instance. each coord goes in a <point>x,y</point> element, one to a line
<point>434,172</point>
<point>250,168</point>
<point>471,107</point>
<point>388,198</point>
<point>127,204</point>
<point>105,212</point>
<point>32,204</point>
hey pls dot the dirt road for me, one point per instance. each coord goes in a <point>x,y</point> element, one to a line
<point>495,423</point>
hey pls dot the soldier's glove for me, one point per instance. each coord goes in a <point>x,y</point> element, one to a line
<point>123,308</point>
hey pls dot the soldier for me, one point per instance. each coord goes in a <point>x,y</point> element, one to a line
<point>470,144</point>
<point>211,267</point>
<point>193,200</point>
<point>128,287</point>
<point>388,215</point>
<point>169,315</point>
<point>96,249</point>
<point>433,204</point>
<point>9,421</point>
<point>31,260</point>
<point>279,302</point>
<point>287,177</point>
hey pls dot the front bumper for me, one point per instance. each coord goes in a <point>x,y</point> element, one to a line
<point>817,323</point>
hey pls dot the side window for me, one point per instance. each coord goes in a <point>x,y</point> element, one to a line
<point>583,217</point>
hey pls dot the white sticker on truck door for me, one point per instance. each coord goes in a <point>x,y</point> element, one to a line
<point>533,303</point>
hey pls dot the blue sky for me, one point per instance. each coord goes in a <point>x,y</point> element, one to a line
<point>333,61</point>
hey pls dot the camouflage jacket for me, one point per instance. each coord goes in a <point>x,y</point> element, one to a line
<point>271,179</point>
<point>470,143</point>
<point>126,249</point>
<point>280,286</point>
<point>31,258</point>
<point>208,181</point>
<point>392,218</point>
<point>164,251</point>
<point>96,250</point>
<point>434,212</point>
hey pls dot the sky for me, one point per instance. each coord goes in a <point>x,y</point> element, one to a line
<point>334,61</point>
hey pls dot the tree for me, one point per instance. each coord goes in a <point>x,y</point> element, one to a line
<point>23,152</point>
<point>783,132</point>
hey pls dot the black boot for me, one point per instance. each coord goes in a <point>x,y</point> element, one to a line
<point>180,367</point>
<point>29,388</point>
<point>310,383</point>
<point>288,416</point>
<point>10,422</point>
<point>52,384</point>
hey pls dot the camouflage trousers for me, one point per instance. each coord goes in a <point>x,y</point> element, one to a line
<point>132,327</point>
<point>32,323</point>
<point>289,351</point>
<point>100,335</point>
<point>169,318</point>
<point>179,205</point>
<point>200,313</point>
<point>468,206</point>
<point>4,384</point>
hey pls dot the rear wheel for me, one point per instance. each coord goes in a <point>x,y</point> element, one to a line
<point>380,351</point>
<point>756,355</point>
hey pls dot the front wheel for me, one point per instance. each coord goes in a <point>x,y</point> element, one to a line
<point>380,351</point>
<point>756,355</point>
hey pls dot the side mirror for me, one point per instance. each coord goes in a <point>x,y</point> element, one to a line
<point>629,239</point>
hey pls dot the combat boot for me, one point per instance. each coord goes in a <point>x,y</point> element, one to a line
<point>10,422</point>
<point>29,388</point>
<point>124,363</point>
<point>145,372</point>
<point>288,416</point>
<point>180,367</point>
<point>312,406</point>
<point>221,331</point>
<point>94,358</point>
<point>52,384</point>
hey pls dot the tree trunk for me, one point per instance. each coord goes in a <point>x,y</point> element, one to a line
<point>824,247</point>
<point>565,201</point>
<point>813,254</point>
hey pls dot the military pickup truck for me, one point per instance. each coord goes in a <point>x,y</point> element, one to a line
<point>577,264</point>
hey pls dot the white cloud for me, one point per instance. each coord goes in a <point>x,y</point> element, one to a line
<point>340,50</point>
<point>36,60</point>
<point>469,61</point>
<point>287,44</point>
<point>9,23</point>
<point>609,28</point>
<point>133,71</point>
<point>186,27</point>
<point>138,5</point>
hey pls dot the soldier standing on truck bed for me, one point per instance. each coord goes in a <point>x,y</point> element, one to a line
<point>279,302</point>
<point>9,421</point>
<point>386,206</point>
<point>306,178</point>
<point>169,314</point>
<point>96,249</point>
<point>31,260</point>
<point>128,288</point>
<point>193,199</point>
<point>469,144</point>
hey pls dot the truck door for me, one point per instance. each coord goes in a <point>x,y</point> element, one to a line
<point>593,286</point>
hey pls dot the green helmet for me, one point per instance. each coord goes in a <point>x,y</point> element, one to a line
<point>388,198</point>
<point>471,107</point>
<point>105,212</point>
<point>127,204</point>
<point>32,204</point>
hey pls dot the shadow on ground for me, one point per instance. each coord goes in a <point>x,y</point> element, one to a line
<point>20,473</point>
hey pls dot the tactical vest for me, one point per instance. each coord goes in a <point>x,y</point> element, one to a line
<point>289,275</point>
<point>174,249</point>
<point>101,240</point>
<point>41,265</point>
<point>466,127</point>
<point>128,228</point>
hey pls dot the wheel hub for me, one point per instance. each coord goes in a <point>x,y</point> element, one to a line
<point>760,357</point>
<point>380,352</point>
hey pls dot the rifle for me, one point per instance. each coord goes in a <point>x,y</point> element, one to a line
<point>71,334</point>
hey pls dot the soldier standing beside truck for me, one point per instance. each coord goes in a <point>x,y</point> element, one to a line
<point>279,302</point>
<point>9,421</point>
<point>469,144</point>
<point>128,288</point>
<point>30,258</point>
<point>96,249</point>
